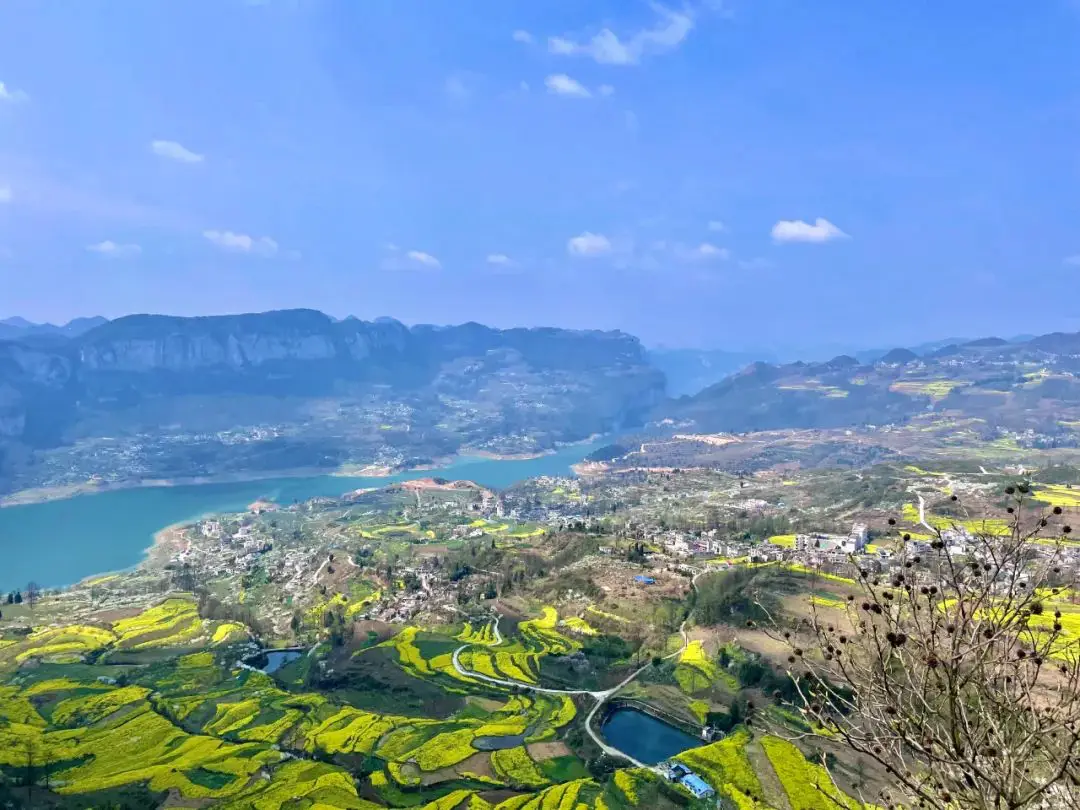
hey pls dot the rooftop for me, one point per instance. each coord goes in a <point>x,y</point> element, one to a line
<point>697,785</point>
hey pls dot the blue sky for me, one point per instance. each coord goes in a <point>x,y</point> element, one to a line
<point>724,174</point>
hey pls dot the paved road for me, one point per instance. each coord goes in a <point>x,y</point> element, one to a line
<point>601,696</point>
<point>922,515</point>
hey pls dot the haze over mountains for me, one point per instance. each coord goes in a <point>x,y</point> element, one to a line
<point>15,328</point>
<point>153,396</point>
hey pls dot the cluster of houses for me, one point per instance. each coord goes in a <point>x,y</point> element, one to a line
<point>816,549</point>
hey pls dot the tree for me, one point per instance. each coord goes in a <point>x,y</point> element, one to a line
<point>952,673</point>
<point>33,591</point>
<point>18,598</point>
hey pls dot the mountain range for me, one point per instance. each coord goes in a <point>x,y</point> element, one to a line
<point>149,396</point>
<point>155,396</point>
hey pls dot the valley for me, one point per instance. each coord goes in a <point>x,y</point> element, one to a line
<point>470,645</point>
<point>602,624</point>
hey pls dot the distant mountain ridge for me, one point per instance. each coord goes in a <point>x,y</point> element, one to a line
<point>689,371</point>
<point>156,396</point>
<point>163,396</point>
<point>1027,385</point>
<point>16,327</point>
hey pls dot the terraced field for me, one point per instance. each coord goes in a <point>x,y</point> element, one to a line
<point>173,623</point>
<point>195,725</point>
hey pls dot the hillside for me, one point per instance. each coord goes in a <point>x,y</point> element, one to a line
<point>156,396</point>
<point>689,371</point>
<point>1032,385</point>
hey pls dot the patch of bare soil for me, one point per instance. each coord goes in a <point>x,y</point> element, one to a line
<point>547,750</point>
<point>479,764</point>
<point>115,615</point>
<point>754,641</point>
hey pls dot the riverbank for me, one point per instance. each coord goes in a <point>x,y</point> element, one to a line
<point>62,540</point>
<point>33,495</point>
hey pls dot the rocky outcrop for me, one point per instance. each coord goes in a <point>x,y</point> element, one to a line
<point>149,343</point>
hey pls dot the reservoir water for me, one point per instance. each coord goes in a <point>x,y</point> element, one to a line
<point>60,542</point>
<point>270,661</point>
<point>644,737</point>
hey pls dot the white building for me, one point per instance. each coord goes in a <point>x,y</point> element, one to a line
<point>852,543</point>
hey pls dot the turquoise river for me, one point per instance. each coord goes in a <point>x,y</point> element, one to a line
<point>60,542</point>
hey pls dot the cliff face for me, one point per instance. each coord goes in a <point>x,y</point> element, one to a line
<point>152,343</point>
<point>149,343</point>
<point>462,383</point>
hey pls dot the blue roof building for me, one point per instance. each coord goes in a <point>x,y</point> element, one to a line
<point>696,785</point>
<point>644,580</point>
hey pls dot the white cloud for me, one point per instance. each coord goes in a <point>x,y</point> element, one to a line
<point>425,259</point>
<point>523,37</point>
<point>499,258</point>
<point>589,244</point>
<point>5,194</point>
<point>709,251</point>
<point>606,89</point>
<point>112,249</point>
<point>716,226</point>
<point>175,151</point>
<point>242,243</point>
<point>10,94</point>
<point>705,252</point>
<point>563,85</point>
<point>523,86</point>
<point>607,49</point>
<point>1073,261</point>
<point>796,230</point>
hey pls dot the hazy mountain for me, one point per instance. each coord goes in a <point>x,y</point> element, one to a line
<point>155,395</point>
<point>690,370</point>
<point>16,327</point>
<point>1032,384</point>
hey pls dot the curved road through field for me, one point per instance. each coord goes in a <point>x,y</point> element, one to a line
<point>922,515</point>
<point>601,697</point>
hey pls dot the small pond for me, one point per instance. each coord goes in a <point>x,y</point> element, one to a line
<point>270,661</point>
<point>498,743</point>
<point>644,737</point>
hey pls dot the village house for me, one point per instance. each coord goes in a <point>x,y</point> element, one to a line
<point>852,543</point>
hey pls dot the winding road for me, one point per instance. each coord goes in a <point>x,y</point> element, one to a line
<point>600,696</point>
<point>922,515</point>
